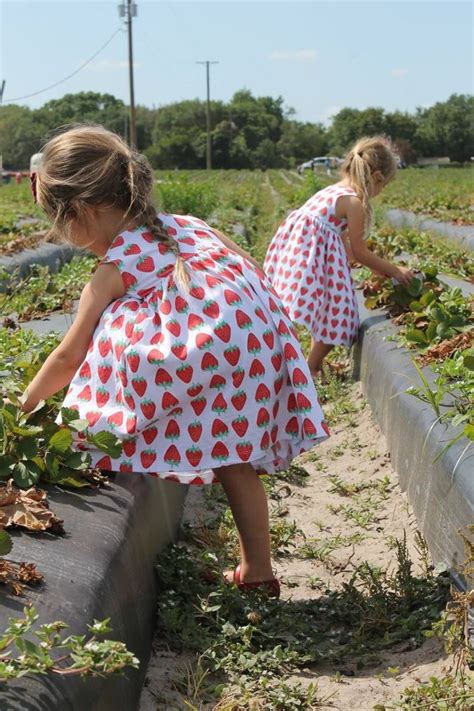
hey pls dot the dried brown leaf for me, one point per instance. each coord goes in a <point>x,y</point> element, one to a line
<point>27,508</point>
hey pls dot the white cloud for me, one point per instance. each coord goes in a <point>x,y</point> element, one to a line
<point>293,55</point>
<point>111,65</point>
<point>399,72</point>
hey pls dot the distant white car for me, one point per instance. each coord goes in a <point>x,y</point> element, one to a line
<point>327,162</point>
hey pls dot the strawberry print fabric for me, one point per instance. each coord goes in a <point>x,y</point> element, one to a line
<point>309,269</point>
<point>195,379</point>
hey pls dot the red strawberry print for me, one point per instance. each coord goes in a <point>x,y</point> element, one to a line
<point>172,456</point>
<point>219,429</point>
<point>265,441</point>
<point>194,390</point>
<point>117,322</point>
<point>145,264</point>
<point>195,430</point>
<point>263,417</point>
<point>101,397</point>
<point>105,371</point>
<point>168,401</point>
<point>157,338</point>
<point>85,394</point>
<point>139,384</point>
<point>163,378</point>
<point>137,336</point>
<point>181,305</point>
<point>149,435</point>
<point>133,360</point>
<point>219,404</point>
<point>269,338</point>
<point>92,417</point>
<point>195,321</point>
<point>217,381</point>
<point>132,249</point>
<point>240,425</point>
<point>232,297</point>
<point>309,429</point>
<point>119,349</point>
<point>199,404</point>
<point>253,344</point>
<point>244,450</point>
<point>165,307</point>
<point>172,430</point>
<point>180,351</point>
<point>129,447</point>
<point>239,399</point>
<point>237,377</point>
<point>105,346</point>
<point>115,419</point>
<point>147,457</point>
<point>243,319</point>
<point>203,341</point>
<point>148,408</point>
<point>128,280</point>
<point>256,369</point>
<point>209,362</point>
<point>222,331</point>
<point>277,360</point>
<point>185,373</point>
<point>173,327</point>
<point>126,467</point>
<point>85,371</point>
<point>304,405</point>
<point>131,424</point>
<point>292,427</point>
<point>220,452</point>
<point>198,292</point>
<point>263,393</point>
<point>289,352</point>
<point>261,315</point>
<point>155,356</point>
<point>194,456</point>
<point>232,355</point>
<point>299,379</point>
<point>105,463</point>
<point>211,309</point>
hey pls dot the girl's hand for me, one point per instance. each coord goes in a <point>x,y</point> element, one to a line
<point>403,275</point>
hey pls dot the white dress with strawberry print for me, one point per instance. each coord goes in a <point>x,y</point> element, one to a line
<point>309,269</point>
<point>191,380</point>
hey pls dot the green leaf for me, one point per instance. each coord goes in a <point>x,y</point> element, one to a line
<point>27,447</point>
<point>107,442</point>
<point>414,287</point>
<point>26,474</point>
<point>78,425</point>
<point>430,272</point>
<point>431,331</point>
<point>416,306</point>
<point>6,462</point>
<point>427,298</point>
<point>438,313</point>
<point>443,330</point>
<point>6,543</point>
<point>61,441</point>
<point>68,415</point>
<point>469,431</point>
<point>27,431</point>
<point>416,335</point>
<point>468,359</point>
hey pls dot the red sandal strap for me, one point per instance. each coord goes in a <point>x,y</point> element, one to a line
<point>272,585</point>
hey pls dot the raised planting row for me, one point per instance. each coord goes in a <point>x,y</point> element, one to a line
<point>91,557</point>
<point>423,399</point>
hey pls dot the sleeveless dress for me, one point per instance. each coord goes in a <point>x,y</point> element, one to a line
<point>194,379</point>
<point>309,269</point>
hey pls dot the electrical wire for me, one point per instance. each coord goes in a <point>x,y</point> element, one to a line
<point>61,81</point>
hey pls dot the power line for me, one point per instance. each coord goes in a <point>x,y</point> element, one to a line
<point>61,81</point>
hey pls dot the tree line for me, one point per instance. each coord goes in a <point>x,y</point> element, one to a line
<point>247,131</point>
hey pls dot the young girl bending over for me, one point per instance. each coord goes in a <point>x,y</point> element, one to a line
<point>180,347</point>
<point>308,258</point>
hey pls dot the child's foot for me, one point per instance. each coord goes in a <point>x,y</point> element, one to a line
<point>271,586</point>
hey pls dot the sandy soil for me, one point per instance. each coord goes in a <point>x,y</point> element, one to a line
<point>355,454</point>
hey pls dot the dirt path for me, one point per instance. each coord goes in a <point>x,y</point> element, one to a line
<point>349,511</point>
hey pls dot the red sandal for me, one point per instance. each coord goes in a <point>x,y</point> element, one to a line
<point>271,587</point>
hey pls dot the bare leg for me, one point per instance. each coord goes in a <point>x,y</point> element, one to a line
<point>248,503</point>
<point>318,353</point>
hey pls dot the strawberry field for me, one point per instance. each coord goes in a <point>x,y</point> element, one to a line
<point>234,654</point>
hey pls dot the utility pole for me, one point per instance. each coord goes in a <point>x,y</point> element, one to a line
<point>2,89</point>
<point>208,115</point>
<point>128,9</point>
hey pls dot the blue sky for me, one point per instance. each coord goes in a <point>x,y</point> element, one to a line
<point>320,56</point>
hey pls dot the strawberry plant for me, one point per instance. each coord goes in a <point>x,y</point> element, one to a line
<point>78,655</point>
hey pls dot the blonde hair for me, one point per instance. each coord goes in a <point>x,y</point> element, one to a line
<point>87,165</point>
<point>368,156</point>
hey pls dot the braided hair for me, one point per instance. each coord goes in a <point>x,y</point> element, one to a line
<point>88,165</point>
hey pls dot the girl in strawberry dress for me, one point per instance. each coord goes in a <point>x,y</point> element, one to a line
<point>308,258</point>
<point>180,347</point>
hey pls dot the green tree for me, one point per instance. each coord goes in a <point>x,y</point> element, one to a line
<point>301,141</point>
<point>447,129</point>
<point>21,134</point>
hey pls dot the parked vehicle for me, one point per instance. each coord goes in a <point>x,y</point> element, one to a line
<point>327,162</point>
